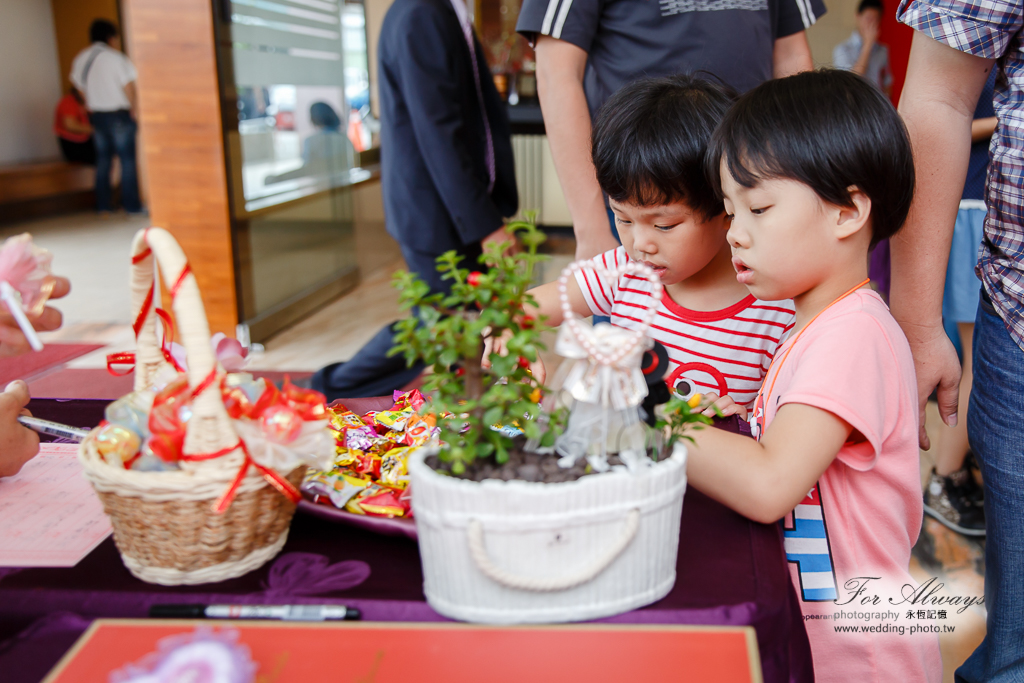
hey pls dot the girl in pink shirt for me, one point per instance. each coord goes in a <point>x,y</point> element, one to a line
<point>815,169</point>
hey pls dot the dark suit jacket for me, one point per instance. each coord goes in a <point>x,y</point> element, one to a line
<point>433,163</point>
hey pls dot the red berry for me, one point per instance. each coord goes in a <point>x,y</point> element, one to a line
<point>459,372</point>
<point>528,321</point>
<point>524,363</point>
<point>473,279</point>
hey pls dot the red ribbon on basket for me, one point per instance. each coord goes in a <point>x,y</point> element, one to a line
<point>272,477</point>
<point>127,357</point>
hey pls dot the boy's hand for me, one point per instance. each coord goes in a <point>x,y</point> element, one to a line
<point>18,444</point>
<point>721,406</point>
<point>497,345</point>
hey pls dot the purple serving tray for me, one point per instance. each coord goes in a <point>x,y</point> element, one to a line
<point>386,526</point>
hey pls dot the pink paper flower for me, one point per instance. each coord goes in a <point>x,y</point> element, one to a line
<point>229,352</point>
<point>26,268</point>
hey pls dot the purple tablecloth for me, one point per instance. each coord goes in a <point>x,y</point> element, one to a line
<point>730,571</point>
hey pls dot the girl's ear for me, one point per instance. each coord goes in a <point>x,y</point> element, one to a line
<point>852,219</point>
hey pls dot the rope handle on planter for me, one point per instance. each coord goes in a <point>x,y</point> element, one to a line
<point>475,536</point>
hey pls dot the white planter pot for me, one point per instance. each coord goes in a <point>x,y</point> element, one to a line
<point>521,552</point>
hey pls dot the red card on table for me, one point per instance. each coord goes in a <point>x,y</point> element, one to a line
<point>441,653</point>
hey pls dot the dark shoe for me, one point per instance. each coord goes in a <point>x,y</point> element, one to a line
<point>946,499</point>
<point>975,491</point>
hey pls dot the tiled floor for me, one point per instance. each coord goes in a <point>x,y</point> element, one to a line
<point>92,252</point>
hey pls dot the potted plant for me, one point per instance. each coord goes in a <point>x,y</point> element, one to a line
<point>507,533</point>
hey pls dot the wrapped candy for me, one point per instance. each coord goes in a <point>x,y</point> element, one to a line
<point>419,430</point>
<point>167,419</point>
<point>385,504</point>
<point>411,400</point>
<point>338,487</point>
<point>117,444</point>
<point>345,419</point>
<point>240,393</point>
<point>360,438</point>
<point>149,461</point>
<point>372,454</point>
<point>132,412</point>
<point>394,419</point>
<point>281,424</point>
<point>309,404</point>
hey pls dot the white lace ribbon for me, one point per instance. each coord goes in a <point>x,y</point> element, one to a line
<point>617,385</point>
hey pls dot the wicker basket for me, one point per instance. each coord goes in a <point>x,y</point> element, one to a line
<point>164,523</point>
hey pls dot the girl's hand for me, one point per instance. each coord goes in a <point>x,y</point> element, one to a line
<point>721,406</point>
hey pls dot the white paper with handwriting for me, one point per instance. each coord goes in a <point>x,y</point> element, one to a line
<point>49,514</point>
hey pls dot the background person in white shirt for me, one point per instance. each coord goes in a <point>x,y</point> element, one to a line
<point>107,79</point>
<point>861,53</point>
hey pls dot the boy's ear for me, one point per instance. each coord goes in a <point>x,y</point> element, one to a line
<point>852,219</point>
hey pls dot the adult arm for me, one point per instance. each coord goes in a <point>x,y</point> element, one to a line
<point>791,55</point>
<point>17,443</point>
<point>560,68</point>
<point>937,105</point>
<point>424,58</point>
<point>75,126</point>
<point>131,93</point>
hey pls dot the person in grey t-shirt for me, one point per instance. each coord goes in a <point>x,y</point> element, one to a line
<point>861,53</point>
<point>588,49</point>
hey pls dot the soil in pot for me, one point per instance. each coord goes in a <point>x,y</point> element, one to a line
<point>520,465</point>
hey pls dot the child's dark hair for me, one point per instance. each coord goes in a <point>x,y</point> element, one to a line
<point>870,4</point>
<point>828,129</point>
<point>650,138</point>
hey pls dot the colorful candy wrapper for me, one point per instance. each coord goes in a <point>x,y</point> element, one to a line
<point>384,504</point>
<point>393,419</point>
<point>341,421</point>
<point>360,438</point>
<point>393,471</point>
<point>410,400</point>
<point>419,430</point>
<point>339,488</point>
<point>309,404</point>
<point>166,423</point>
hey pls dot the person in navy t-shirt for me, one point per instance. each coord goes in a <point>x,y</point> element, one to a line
<point>588,49</point>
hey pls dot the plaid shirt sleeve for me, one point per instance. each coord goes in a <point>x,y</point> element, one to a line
<point>983,28</point>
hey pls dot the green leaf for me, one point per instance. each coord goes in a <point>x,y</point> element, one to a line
<point>494,415</point>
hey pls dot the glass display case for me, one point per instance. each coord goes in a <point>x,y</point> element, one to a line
<point>294,88</point>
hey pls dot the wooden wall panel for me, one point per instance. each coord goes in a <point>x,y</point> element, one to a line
<point>172,45</point>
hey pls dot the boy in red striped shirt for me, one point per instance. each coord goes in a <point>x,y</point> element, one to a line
<point>649,142</point>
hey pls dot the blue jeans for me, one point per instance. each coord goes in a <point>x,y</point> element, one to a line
<point>114,133</point>
<point>996,429</point>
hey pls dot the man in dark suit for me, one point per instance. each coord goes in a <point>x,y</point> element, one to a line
<point>446,164</point>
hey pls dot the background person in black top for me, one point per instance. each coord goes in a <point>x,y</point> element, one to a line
<point>588,49</point>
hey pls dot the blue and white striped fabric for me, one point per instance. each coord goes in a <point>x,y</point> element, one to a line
<point>807,545</point>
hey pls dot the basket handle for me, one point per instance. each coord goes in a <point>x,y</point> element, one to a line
<point>475,536</point>
<point>209,430</point>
